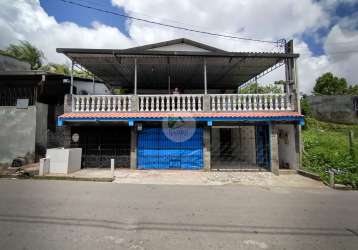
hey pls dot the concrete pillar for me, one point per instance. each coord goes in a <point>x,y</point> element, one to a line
<point>206,103</point>
<point>134,103</point>
<point>207,148</point>
<point>133,152</point>
<point>67,137</point>
<point>274,150</point>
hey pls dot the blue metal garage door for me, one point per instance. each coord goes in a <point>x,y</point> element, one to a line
<point>156,151</point>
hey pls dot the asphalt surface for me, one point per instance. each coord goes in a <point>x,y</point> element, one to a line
<point>39,214</point>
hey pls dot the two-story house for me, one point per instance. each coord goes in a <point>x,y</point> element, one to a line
<point>182,109</point>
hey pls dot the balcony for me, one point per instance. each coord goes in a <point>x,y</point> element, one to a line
<point>181,103</point>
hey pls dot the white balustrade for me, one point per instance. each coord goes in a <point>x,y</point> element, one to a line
<point>250,102</point>
<point>101,103</point>
<point>171,103</point>
<point>183,103</point>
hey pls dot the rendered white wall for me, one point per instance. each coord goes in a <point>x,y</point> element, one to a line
<point>17,133</point>
<point>287,146</point>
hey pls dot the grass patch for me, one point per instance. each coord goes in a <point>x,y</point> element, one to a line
<point>326,146</point>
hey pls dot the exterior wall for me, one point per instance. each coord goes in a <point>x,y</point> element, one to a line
<point>338,109</point>
<point>17,133</point>
<point>55,138</point>
<point>41,129</point>
<point>247,149</point>
<point>133,149</point>
<point>287,151</point>
<point>87,87</point>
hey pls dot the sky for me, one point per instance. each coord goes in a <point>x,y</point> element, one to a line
<point>325,32</point>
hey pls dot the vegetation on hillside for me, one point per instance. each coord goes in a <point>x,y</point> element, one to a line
<point>326,146</point>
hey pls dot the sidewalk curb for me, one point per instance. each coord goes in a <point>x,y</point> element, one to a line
<point>309,175</point>
<point>59,178</point>
<point>72,178</point>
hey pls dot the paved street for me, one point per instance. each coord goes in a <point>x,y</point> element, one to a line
<point>38,214</point>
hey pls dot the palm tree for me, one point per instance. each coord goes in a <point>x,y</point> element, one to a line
<point>27,52</point>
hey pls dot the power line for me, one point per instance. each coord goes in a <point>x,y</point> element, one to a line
<point>164,24</point>
<point>144,16</point>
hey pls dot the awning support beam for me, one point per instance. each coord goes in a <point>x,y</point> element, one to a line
<point>205,79</point>
<point>135,76</point>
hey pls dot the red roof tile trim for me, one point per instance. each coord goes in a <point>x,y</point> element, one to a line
<point>130,115</point>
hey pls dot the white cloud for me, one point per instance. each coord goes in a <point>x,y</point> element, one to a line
<point>26,20</point>
<point>262,19</point>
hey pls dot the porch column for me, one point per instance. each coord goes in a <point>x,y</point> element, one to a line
<point>206,100</point>
<point>274,162</point>
<point>135,76</point>
<point>205,79</point>
<point>71,89</point>
<point>133,152</point>
<point>207,148</point>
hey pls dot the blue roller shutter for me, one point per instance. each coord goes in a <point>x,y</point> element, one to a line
<point>156,151</point>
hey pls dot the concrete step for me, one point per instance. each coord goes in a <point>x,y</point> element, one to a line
<point>288,171</point>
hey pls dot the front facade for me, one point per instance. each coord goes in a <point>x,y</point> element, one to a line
<point>181,109</point>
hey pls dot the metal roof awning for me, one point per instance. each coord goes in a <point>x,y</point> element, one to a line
<point>225,70</point>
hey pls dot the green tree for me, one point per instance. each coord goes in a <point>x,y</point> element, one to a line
<point>255,88</point>
<point>25,51</point>
<point>328,84</point>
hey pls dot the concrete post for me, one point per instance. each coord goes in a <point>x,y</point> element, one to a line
<point>331,179</point>
<point>207,148</point>
<point>133,153</point>
<point>44,167</point>
<point>67,137</point>
<point>112,168</point>
<point>274,151</point>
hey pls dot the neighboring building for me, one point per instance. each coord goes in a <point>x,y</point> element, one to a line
<point>30,103</point>
<point>9,63</point>
<point>206,126</point>
<point>336,108</point>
